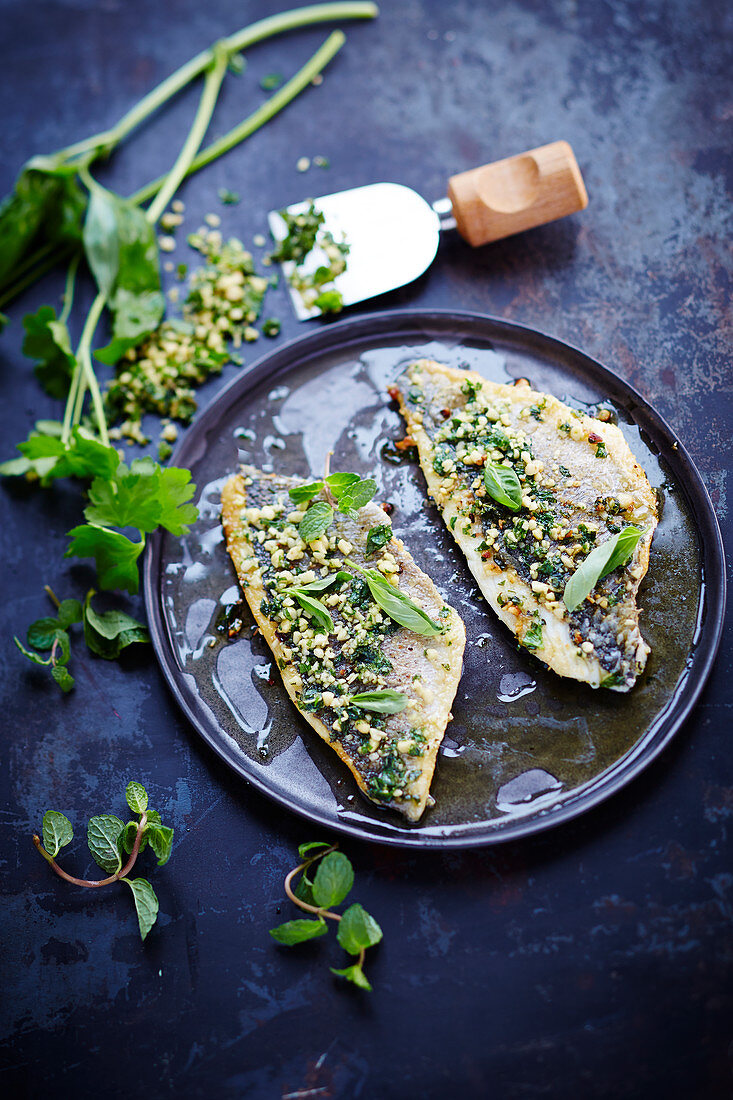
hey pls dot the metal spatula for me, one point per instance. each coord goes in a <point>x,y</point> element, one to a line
<point>393,233</point>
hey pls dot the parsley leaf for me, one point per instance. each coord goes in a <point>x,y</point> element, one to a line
<point>114,554</point>
<point>47,340</point>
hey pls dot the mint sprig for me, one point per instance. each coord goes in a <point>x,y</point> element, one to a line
<point>331,884</point>
<point>110,840</point>
<point>348,492</point>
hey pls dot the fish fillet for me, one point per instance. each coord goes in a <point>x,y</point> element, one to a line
<point>580,486</point>
<point>392,756</point>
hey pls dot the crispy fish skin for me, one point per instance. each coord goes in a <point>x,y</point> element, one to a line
<point>392,757</point>
<point>580,485</point>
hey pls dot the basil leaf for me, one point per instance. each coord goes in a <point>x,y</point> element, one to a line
<point>317,611</point>
<point>103,837</point>
<point>46,201</point>
<point>386,701</point>
<point>323,583</point>
<point>57,832</point>
<point>378,537</point>
<point>316,521</point>
<point>601,561</point>
<point>356,496</point>
<point>146,903</point>
<point>357,930</point>
<point>305,492</point>
<point>626,541</point>
<point>334,878</point>
<point>137,797</point>
<point>304,849</point>
<point>101,240</point>
<point>337,483</point>
<point>353,974</point>
<point>400,608</point>
<point>298,931</point>
<point>503,485</point>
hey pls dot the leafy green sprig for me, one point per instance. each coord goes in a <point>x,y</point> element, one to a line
<point>115,847</point>
<point>106,635</point>
<point>347,493</point>
<point>330,886</point>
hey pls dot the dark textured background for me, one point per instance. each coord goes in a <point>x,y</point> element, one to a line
<point>594,960</point>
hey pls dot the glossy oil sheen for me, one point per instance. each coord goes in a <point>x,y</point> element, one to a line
<point>525,747</point>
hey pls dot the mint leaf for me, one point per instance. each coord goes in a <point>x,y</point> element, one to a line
<point>357,930</point>
<point>114,554</point>
<point>128,834</point>
<point>107,634</point>
<point>311,846</point>
<point>316,521</point>
<point>353,974</point>
<point>103,837</point>
<point>57,832</point>
<point>42,633</point>
<point>356,496</point>
<point>146,903</point>
<point>333,880</point>
<point>339,482</point>
<point>69,612</point>
<point>305,492</point>
<point>298,931</point>
<point>161,841</point>
<point>137,797</point>
<point>62,677</point>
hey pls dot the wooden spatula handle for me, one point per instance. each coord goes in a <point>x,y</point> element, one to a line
<point>517,193</point>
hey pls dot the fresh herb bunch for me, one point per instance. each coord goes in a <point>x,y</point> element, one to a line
<point>330,886</point>
<point>115,847</point>
<point>58,211</point>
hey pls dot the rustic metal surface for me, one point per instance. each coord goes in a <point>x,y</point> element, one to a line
<point>595,959</point>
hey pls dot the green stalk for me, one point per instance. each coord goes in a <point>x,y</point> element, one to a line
<point>258,118</point>
<point>241,40</point>
<point>192,144</point>
<point>69,288</point>
<point>84,377</point>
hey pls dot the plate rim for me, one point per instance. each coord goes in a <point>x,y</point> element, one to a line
<point>711,611</point>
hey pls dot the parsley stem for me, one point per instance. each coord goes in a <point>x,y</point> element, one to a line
<point>192,144</point>
<point>84,378</point>
<point>241,40</point>
<point>258,118</point>
<point>69,288</point>
<point>90,883</point>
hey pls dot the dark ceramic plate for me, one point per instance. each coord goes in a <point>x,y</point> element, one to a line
<point>526,749</point>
